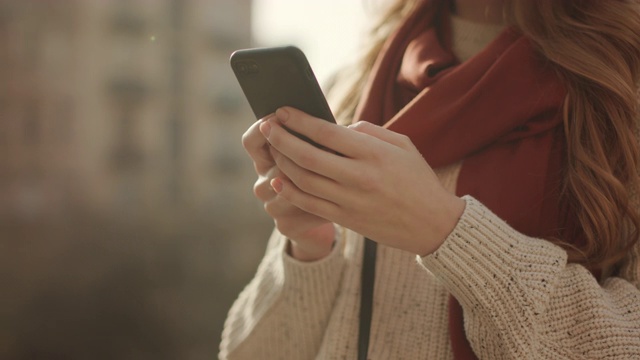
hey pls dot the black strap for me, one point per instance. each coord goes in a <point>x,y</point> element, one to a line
<point>366,296</point>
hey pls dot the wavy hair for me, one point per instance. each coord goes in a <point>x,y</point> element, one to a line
<point>594,46</point>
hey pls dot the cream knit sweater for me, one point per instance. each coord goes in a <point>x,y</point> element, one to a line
<point>521,299</point>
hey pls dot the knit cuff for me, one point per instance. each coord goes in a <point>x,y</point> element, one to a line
<point>314,277</point>
<point>485,262</point>
<point>283,292</point>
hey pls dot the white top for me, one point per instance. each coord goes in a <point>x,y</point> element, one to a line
<point>470,37</point>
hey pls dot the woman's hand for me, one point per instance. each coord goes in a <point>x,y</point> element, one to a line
<point>380,187</point>
<point>311,236</point>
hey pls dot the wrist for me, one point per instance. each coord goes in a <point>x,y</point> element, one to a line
<point>452,210</point>
<point>314,244</point>
<point>304,254</point>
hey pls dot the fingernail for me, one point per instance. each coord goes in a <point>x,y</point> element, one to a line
<point>276,184</point>
<point>265,128</point>
<point>282,114</point>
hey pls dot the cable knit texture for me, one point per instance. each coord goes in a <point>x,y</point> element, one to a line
<point>521,300</point>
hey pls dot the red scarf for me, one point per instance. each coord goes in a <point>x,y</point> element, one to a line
<point>500,113</point>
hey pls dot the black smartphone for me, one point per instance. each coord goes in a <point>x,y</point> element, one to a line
<point>279,76</point>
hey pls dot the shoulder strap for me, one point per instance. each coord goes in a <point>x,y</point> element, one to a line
<point>367,281</point>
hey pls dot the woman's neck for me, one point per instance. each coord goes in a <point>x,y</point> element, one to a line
<point>480,11</point>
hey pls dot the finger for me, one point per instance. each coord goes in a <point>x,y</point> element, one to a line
<point>306,155</point>
<point>257,146</point>
<point>291,221</point>
<point>335,137</point>
<point>279,207</point>
<point>307,202</point>
<point>305,180</point>
<point>383,134</point>
<point>283,211</point>
<point>262,187</point>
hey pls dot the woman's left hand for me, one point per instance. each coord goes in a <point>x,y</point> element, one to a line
<point>379,186</point>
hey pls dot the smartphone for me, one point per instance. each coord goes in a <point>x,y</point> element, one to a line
<point>279,76</point>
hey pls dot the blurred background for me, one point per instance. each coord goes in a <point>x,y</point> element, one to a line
<point>127,220</point>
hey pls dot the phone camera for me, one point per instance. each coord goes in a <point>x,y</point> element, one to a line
<point>247,67</point>
<point>241,66</point>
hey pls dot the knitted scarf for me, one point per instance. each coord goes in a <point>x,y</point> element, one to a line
<point>499,113</point>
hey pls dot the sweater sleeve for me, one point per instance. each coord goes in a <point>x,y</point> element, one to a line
<point>522,300</point>
<point>284,310</point>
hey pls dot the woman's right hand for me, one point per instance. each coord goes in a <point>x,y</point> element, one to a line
<point>311,237</point>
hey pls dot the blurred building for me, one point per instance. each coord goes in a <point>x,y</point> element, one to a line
<point>37,106</point>
<point>124,105</point>
<point>121,120</point>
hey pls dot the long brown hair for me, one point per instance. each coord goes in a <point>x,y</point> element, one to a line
<point>595,47</point>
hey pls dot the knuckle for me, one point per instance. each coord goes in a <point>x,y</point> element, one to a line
<point>406,141</point>
<point>257,190</point>
<point>268,208</point>
<point>261,189</point>
<point>403,138</point>
<point>360,125</point>
<point>249,139</point>
<point>246,140</point>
